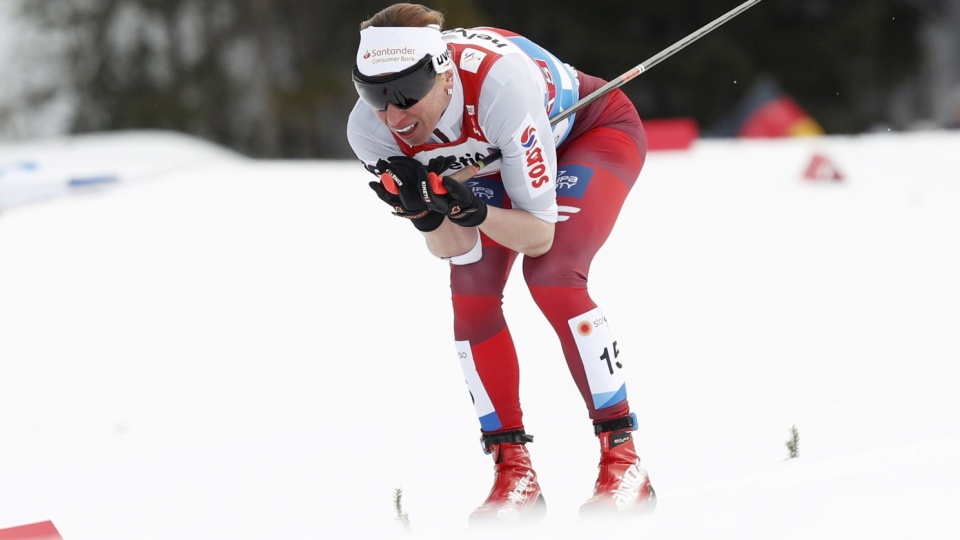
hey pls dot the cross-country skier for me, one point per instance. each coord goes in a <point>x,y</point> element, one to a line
<point>434,102</point>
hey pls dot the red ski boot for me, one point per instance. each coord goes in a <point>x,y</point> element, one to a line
<point>515,496</point>
<point>623,487</point>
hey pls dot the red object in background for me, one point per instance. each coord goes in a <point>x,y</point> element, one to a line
<point>671,133</point>
<point>821,168</point>
<point>779,117</point>
<point>766,111</point>
<point>35,531</point>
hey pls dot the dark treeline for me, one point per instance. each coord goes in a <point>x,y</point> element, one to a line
<point>270,78</point>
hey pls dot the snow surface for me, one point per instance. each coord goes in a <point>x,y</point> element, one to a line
<point>257,349</point>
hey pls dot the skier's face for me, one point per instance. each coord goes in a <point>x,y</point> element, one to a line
<point>415,124</point>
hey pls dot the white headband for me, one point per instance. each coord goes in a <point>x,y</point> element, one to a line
<point>390,49</point>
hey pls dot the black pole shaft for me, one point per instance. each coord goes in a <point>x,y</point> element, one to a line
<point>467,173</point>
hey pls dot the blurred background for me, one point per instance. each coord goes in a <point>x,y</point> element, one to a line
<point>181,358</point>
<point>270,78</point>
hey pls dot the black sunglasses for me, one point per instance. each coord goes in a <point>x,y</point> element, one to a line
<point>403,89</point>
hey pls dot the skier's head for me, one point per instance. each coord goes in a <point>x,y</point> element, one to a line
<point>399,65</point>
<point>404,70</point>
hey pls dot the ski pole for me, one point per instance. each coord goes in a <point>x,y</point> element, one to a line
<point>469,172</point>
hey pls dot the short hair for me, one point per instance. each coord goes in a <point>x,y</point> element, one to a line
<point>404,14</point>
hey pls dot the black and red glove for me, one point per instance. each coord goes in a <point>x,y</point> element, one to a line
<point>401,178</point>
<point>447,196</point>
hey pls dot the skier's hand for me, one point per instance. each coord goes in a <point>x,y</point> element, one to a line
<point>401,178</point>
<point>447,196</point>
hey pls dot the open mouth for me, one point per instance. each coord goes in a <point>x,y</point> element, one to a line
<point>407,130</point>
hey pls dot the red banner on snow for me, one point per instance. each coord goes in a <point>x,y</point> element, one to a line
<point>671,133</point>
<point>35,531</point>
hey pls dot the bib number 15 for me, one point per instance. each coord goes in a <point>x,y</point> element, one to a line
<point>611,361</point>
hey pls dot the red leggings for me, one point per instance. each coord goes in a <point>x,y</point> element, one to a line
<point>595,173</point>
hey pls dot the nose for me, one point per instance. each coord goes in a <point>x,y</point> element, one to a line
<point>394,115</point>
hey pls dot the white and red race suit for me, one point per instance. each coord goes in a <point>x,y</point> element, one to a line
<point>576,174</point>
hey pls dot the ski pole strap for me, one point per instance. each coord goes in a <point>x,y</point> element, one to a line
<point>616,424</point>
<point>518,436</point>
